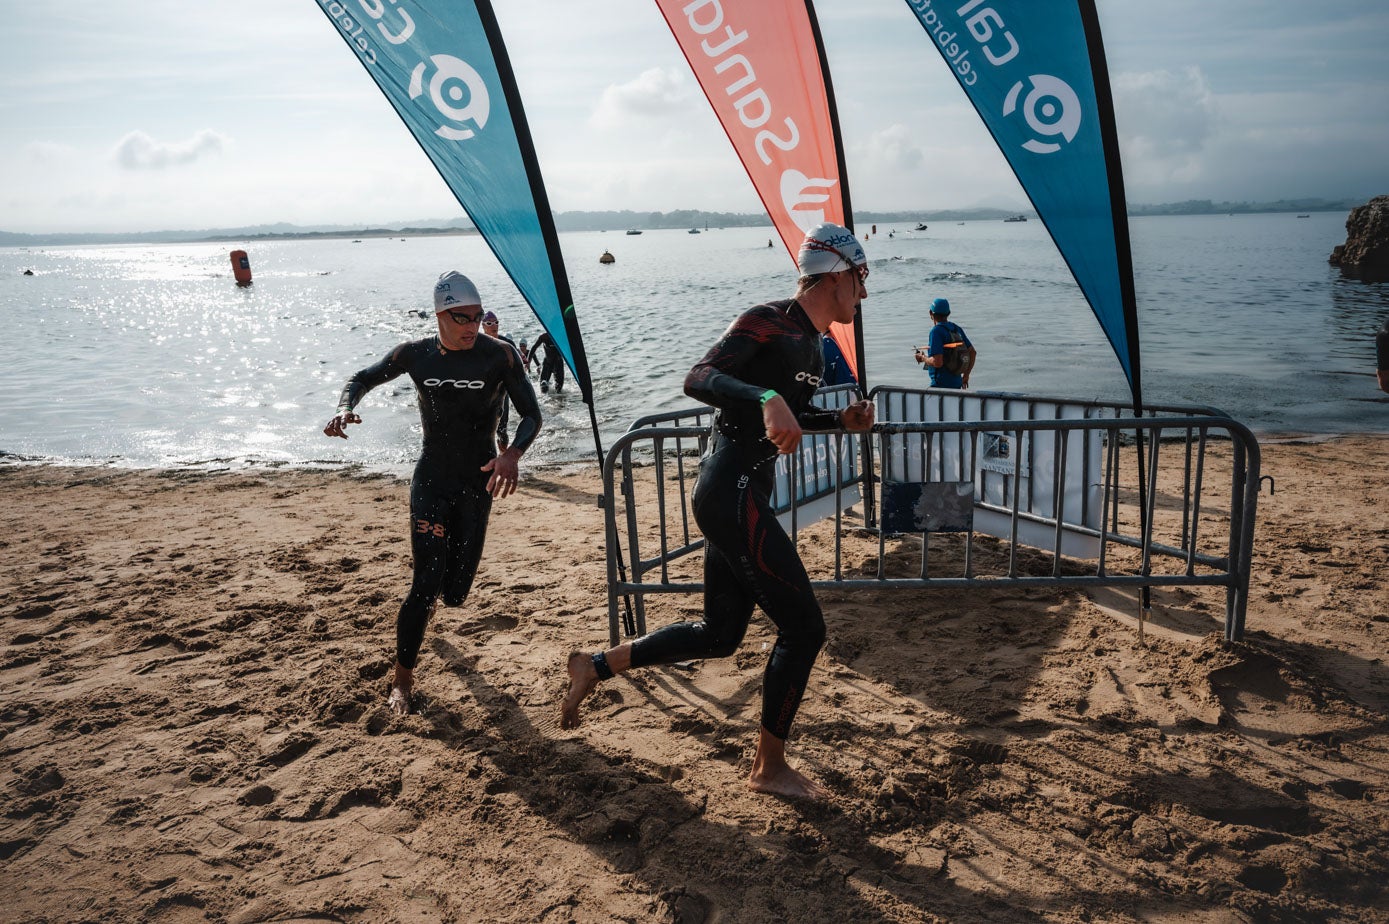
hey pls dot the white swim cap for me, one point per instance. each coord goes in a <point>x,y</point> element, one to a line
<point>454,290</point>
<point>829,248</point>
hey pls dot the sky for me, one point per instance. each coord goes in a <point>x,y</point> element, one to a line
<point>185,114</point>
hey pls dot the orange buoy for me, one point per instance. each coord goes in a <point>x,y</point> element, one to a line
<point>241,267</point>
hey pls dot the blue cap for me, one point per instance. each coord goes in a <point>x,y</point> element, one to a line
<point>941,307</point>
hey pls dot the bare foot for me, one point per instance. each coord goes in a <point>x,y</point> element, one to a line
<point>399,700</point>
<point>402,682</point>
<point>788,782</point>
<point>583,678</point>
<point>773,775</point>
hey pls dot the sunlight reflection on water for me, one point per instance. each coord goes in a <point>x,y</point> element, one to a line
<point>151,356</point>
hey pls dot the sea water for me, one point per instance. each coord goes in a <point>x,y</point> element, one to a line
<point>150,355</point>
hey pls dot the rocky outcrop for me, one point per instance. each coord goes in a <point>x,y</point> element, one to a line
<point>1366,250</point>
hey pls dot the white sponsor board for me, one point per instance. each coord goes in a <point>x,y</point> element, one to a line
<point>994,459</point>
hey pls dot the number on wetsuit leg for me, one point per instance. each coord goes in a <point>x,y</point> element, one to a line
<point>424,526</point>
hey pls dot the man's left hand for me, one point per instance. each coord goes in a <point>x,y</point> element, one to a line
<point>857,416</point>
<point>504,473</point>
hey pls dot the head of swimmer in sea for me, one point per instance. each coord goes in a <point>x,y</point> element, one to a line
<point>491,324</point>
<point>834,271</point>
<point>458,309</point>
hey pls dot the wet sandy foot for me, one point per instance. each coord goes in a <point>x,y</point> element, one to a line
<point>582,681</point>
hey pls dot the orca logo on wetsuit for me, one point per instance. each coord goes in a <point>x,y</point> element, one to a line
<point>456,383</point>
<point>807,377</point>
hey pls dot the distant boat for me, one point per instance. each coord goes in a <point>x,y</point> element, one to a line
<point>920,226</point>
<point>607,258</point>
<point>693,231</point>
<point>1304,216</point>
<point>633,231</point>
<point>1017,218</point>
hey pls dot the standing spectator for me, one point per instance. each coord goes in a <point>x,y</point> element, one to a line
<point>949,356</point>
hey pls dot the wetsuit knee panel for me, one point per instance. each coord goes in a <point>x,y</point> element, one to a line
<point>807,634</point>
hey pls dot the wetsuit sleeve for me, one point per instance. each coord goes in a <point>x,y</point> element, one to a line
<point>544,340</point>
<point>364,381</point>
<point>717,379</point>
<point>814,417</point>
<point>522,394</point>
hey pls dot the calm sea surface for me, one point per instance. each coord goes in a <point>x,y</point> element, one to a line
<point>150,355</point>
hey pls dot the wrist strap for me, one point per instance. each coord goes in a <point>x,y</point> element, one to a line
<point>767,395</point>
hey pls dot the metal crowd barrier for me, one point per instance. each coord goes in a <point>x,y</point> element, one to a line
<point>1024,482</point>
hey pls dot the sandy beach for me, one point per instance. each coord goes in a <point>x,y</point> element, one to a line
<point>193,725</point>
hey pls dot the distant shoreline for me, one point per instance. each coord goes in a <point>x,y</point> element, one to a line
<point>623,220</point>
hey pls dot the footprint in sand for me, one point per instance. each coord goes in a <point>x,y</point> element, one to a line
<point>497,622</point>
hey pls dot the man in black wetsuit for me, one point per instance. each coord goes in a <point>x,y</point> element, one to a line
<point>461,379</point>
<point>761,376</point>
<point>551,362</point>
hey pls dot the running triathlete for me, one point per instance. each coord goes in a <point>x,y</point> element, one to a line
<point>460,378</point>
<point>761,376</point>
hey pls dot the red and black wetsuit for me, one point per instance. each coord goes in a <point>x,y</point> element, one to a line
<point>461,393</point>
<point>748,558</point>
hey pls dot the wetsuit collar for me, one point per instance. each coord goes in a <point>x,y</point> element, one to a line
<point>795,312</point>
<point>444,350</point>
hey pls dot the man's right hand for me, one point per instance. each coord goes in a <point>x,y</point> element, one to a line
<point>782,427</point>
<point>338,425</point>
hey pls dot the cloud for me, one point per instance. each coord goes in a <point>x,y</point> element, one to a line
<point>1167,121</point>
<point>138,151</point>
<point>49,152</point>
<point>894,148</point>
<point>655,93</point>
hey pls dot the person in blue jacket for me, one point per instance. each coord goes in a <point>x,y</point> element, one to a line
<point>837,371</point>
<point>947,368</point>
